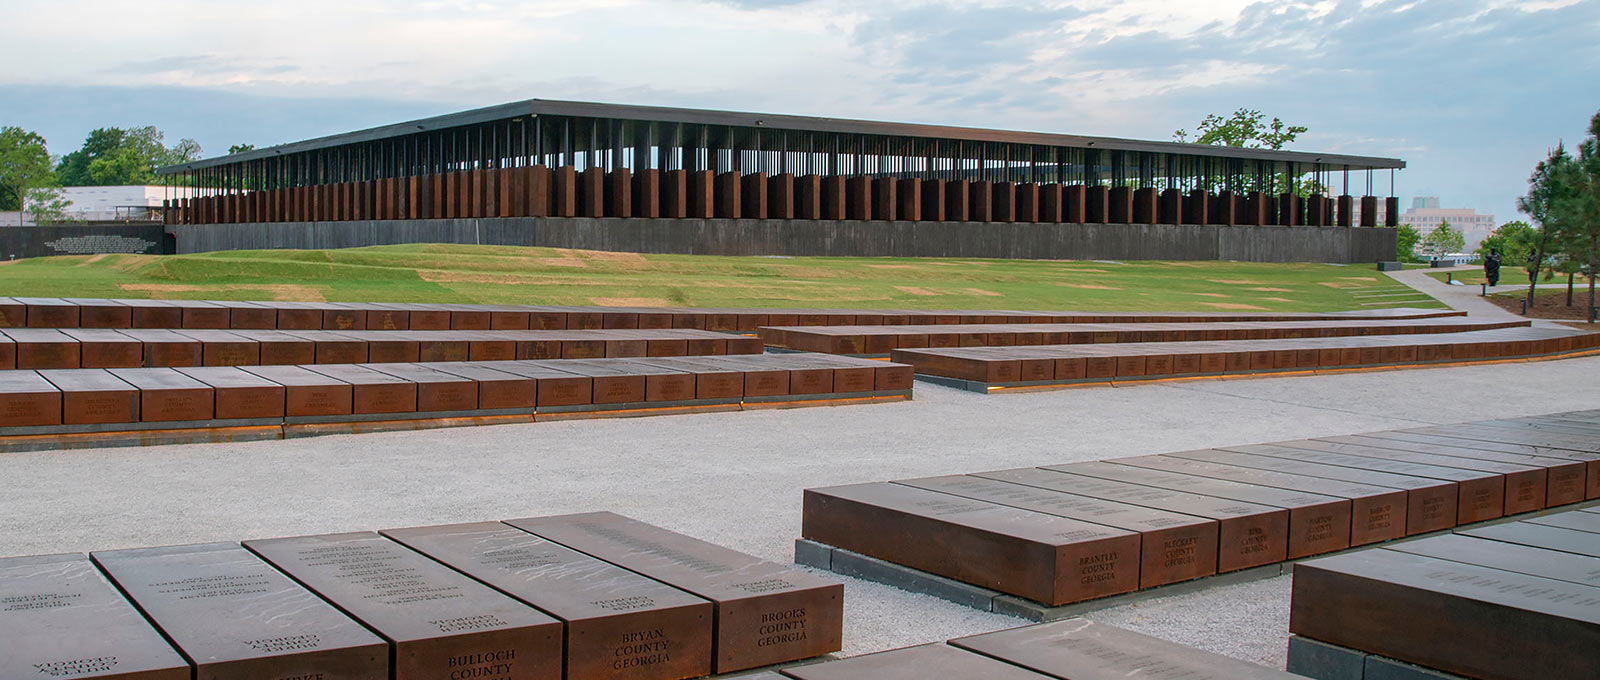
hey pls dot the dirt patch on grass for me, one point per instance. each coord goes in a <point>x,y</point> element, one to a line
<point>1074,270</point>
<point>177,291</point>
<point>1278,299</point>
<point>631,302</point>
<point>1231,305</point>
<point>94,258</point>
<point>1340,285</point>
<point>892,266</point>
<point>1269,289</point>
<point>912,290</point>
<point>1220,295</point>
<point>1236,282</point>
<point>1359,278</point>
<point>1089,286</point>
<point>985,293</point>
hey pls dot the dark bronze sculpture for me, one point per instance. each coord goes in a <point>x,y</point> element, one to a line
<point>1491,266</point>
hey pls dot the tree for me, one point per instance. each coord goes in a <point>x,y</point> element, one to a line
<point>1443,240</point>
<point>48,205</point>
<point>1578,207</point>
<point>1405,242</point>
<point>114,156</point>
<point>1543,204</point>
<point>1245,129</point>
<point>1513,240</point>
<point>24,165</point>
<point>240,148</point>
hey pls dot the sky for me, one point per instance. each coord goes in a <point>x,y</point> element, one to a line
<point>1471,93</point>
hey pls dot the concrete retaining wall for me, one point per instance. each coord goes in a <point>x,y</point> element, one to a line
<point>844,238</point>
<point>19,242</point>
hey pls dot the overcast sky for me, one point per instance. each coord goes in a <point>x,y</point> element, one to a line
<point>1470,92</point>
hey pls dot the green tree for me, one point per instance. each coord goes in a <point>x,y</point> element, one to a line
<point>1443,240</point>
<point>48,205</point>
<point>1405,243</point>
<point>114,156</point>
<point>240,148</point>
<point>24,165</point>
<point>1578,208</point>
<point>1245,129</point>
<point>1543,204</point>
<point>1512,239</point>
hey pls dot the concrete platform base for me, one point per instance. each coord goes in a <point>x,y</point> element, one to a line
<point>1322,661</point>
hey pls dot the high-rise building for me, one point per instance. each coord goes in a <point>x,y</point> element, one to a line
<point>1425,215</point>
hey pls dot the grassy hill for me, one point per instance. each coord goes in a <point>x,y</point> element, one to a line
<point>498,274</point>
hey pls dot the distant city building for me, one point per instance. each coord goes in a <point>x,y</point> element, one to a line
<point>1424,215</point>
<point>134,203</point>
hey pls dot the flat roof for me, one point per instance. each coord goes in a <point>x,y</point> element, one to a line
<point>664,114</point>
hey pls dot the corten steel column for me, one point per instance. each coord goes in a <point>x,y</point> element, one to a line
<point>1075,204</point>
<point>1227,208</point>
<point>1121,210</point>
<point>931,193</point>
<point>1050,203</point>
<point>647,193</point>
<point>513,192</point>
<point>780,196</point>
<point>1144,206</point>
<point>908,197</point>
<point>858,198</point>
<point>1003,205</point>
<point>675,194</point>
<point>537,191</point>
<point>1369,211</point>
<point>619,193</point>
<point>1329,214</point>
<point>957,201</point>
<point>1169,207</point>
<point>730,187</point>
<point>1289,207</point>
<point>592,193</point>
<point>1199,205</point>
<point>702,201</point>
<point>452,195</point>
<point>1392,207</point>
<point>808,197</point>
<point>883,199</point>
<point>1345,202</point>
<point>835,198</point>
<point>981,209</point>
<point>1027,202</point>
<point>409,197</point>
<point>1097,204</point>
<point>564,192</point>
<point>754,203</point>
<point>1316,209</point>
<point>1274,211</point>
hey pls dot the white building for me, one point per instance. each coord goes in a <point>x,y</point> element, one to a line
<point>109,204</point>
<point>1424,215</point>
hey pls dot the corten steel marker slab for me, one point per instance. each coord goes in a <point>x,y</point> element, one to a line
<point>1540,536</point>
<point>1173,547</point>
<point>761,379</point>
<point>765,613</point>
<point>277,348</point>
<point>93,395</point>
<point>1500,434</point>
<point>1079,649</point>
<point>914,663</point>
<point>1430,503</point>
<point>239,394</point>
<point>1522,559</point>
<point>1045,558</point>
<point>26,399</point>
<point>1524,486</point>
<point>44,348</point>
<point>373,391</point>
<point>8,352</point>
<point>1455,617</point>
<point>552,387</point>
<point>1248,535</point>
<point>13,314</point>
<point>1376,513</point>
<point>1317,523</point>
<point>167,395</point>
<point>710,382</point>
<point>164,347</point>
<point>660,382</point>
<point>1567,478</point>
<point>223,348</point>
<point>59,618</point>
<point>1578,521</point>
<point>618,624</point>
<point>440,623</point>
<point>496,389</point>
<point>249,315</point>
<point>50,312</point>
<point>334,348</point>
<point>610,385</point>
<point>106,348</point>
<point>436,390</point>
<point>237,618</point>
<point>307,393</point>
<point>1480,495</point>
<point>155,313</point>
<point>102,313</point>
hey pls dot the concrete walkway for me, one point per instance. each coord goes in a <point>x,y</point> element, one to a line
<point>1461,298</point>
<point>736,478</point>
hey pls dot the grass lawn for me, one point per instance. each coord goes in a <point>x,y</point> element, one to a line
<point>500,274</point>
<point>1513,276</point>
